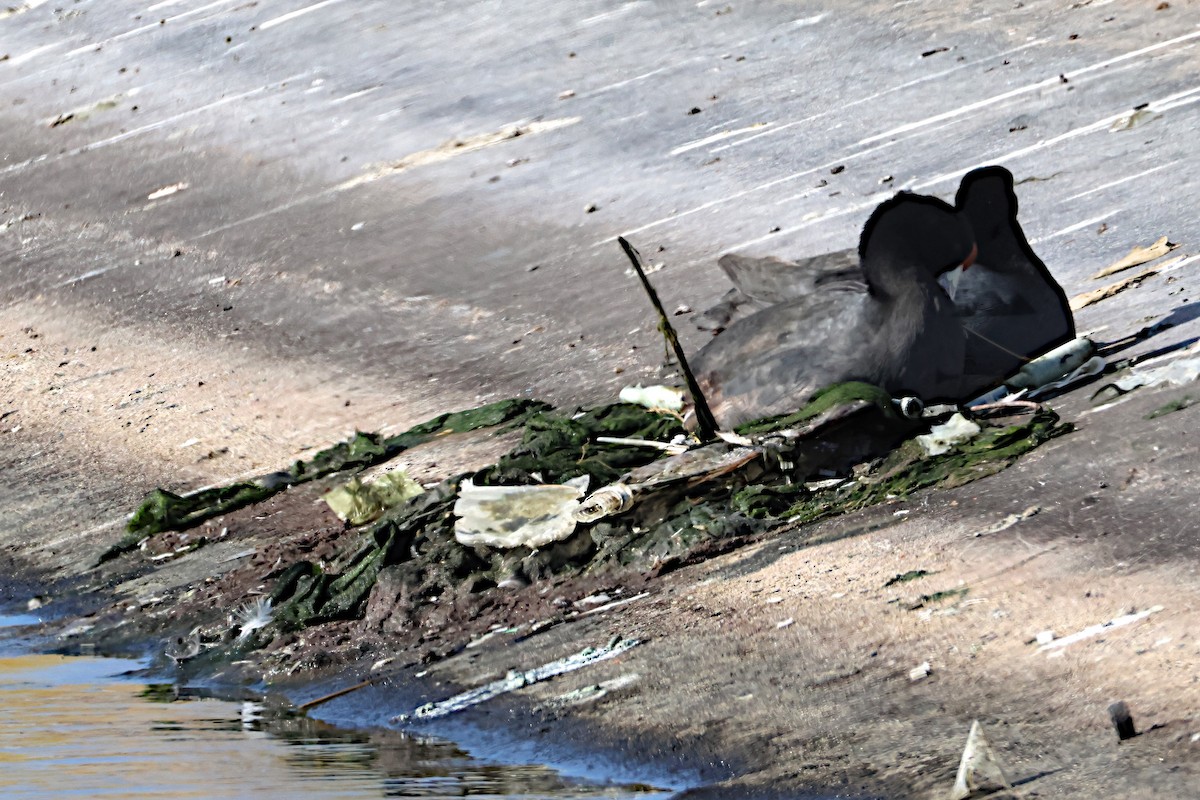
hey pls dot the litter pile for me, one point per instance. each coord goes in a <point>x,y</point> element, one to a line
<point>627,486</point>
<point>526,518</point>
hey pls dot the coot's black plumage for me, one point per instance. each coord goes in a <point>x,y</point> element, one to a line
<point>900,333</point>
<point>1009,303</point>
<point>1010,307</point>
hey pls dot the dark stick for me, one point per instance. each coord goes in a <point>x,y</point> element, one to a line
<point>1122,720</point>
<point>334,695</point>
<point>706,424</point>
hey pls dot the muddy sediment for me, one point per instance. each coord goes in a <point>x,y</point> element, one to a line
<point>787,650</point>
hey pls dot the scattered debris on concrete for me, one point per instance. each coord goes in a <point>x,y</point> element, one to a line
<point>1138,256</point>
<point>1096,630</point>
<point>942,438</point>
<point>980,773</point>
<point>1086,299</point>
<point>359,502</point>
<point>920,672</point>
<point>1009,521</point>
<point>518,680</point>
<point>517,516</point>
<point>1122,720</point>
<point>1176,373</point>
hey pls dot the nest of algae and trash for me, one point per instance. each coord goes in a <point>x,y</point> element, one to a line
<point>586,493</point>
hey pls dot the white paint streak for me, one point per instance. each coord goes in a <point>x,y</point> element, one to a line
<point>1172,101</point>
<point>353,95</point>
<point>167,191</point>
<point>616,12</point>
<point>1120,181</point>
<point>263,214</point>
<point>1096,630</point>
<point>907,84</point>
<point>870,203</point>
<point>737,195</point>
<point>34,53</point>
<point>801,196</point>
<point>88,48</point>
<point>143,129</point>
<point>271,23</point>
<point>807,21</point>
<point>1182,99</point>
<point>164,4</point>
<point>1175,100</point>
<point>416,159</point>
<point>717,137</point>
<point>77,535</point>
<point>1175,266</point>
<point>84,276</point>
<point>627,81</point>
<point>1077,226</point>
<point>1022,90</point>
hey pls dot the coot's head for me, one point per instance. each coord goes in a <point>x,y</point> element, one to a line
<point>986,193</point>
<point>912,238</point>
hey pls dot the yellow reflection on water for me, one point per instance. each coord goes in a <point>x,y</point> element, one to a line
<point>70,727</point>
<point>66,730</point>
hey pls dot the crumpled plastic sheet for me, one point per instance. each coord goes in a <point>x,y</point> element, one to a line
<point>1176,373</point>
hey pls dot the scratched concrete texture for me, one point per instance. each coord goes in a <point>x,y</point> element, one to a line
<point>424,198</point>
<point>366,151</point>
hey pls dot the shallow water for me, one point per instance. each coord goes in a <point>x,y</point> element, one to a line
<point>74,727</point>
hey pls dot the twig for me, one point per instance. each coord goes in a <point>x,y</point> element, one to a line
<point>706,424</point>
<point>669,447</point>
<point>335,695</point>
<point>1030,405</point>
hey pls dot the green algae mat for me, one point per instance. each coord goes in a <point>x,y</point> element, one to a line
<point>410,556</point>
<point>166,511</point>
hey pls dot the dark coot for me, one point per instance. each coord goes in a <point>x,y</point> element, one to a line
<point>900,333</point>
<point>1009,303</point>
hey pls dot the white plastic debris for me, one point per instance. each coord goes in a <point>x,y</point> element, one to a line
<point>167,191</point>
<point>668,398</point>
<point>1096,630</point>
<point>1062,360</point>
<point>942,438</point>
<point>359,502</point>
<point>613,499</point>
<point>950,280</point>
<point>979,772</point>
<point>1045,637</point>
<point>514,516</point>
<point>920,672</point>
<point>517,679</point>
<point>694,466</point>
<point>1176,373</point>
<point>1088,369</point>
<point>1009,521</point>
